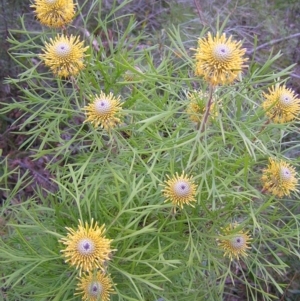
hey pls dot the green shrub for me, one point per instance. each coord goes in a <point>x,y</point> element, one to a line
<point>117,175</point>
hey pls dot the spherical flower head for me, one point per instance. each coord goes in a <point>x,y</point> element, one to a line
<point>233,242</point>
<point>103,111</point>
<point>281,104</point>
<point>180,190</point>
<point>54,13</point>
<point>64,55</point>
<point>86,248</point>
<point>197,106</point>
<point>279,178</point>
<point>218,59</point>
<point>94,287</point>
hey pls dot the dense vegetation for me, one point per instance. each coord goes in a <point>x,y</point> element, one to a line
<point>58,167</point>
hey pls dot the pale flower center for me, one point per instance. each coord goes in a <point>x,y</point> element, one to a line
<point>62,49</point>
<point>285,100</point>
<point>103,106</point>
<point>222,52</point>
<point>85,246</point>
<point>237,242</point>
<point>285,174</point>
<point>182,189</point>
<point>95,289</point>
<point>50,2</point>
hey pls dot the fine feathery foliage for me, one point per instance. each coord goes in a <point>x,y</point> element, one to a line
<point>165,172</point>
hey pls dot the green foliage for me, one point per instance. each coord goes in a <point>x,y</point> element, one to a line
<point>116,177</point>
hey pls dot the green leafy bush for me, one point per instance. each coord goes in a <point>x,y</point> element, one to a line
<point>117,175</point>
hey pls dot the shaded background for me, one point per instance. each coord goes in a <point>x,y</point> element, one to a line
<point>276,23</point>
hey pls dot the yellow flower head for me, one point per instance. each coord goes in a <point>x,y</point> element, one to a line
<point>103,110</point>
<point>64,55</point>
<point>234,243</point>
<point>54,13</point>
<point>279,178</point>
<point>219,60</point>
<point>197,105</point>
<point>179,190</point>
<point>94,287</point>
<point>86,248</point>
<point>281,104</point>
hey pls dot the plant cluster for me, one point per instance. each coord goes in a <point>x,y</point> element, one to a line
<point>181,156</point>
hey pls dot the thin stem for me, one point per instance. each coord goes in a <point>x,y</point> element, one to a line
<point>262,128</point>
<point>199,10</point>
<point>287,287</point>
<point>273,42</point>
<point>207,110</point>
<point>73,81</point>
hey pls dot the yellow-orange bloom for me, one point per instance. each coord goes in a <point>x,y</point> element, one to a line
<point>234,243</point>
<point>94,286</point>
<point>219,60</point>
<point>104,110</point>
<point>279,178</point>
<point>281,104</point>
<point>54,13</point>
<point>180,190</point>
<point>87,248</point>
<point>64,55</point>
